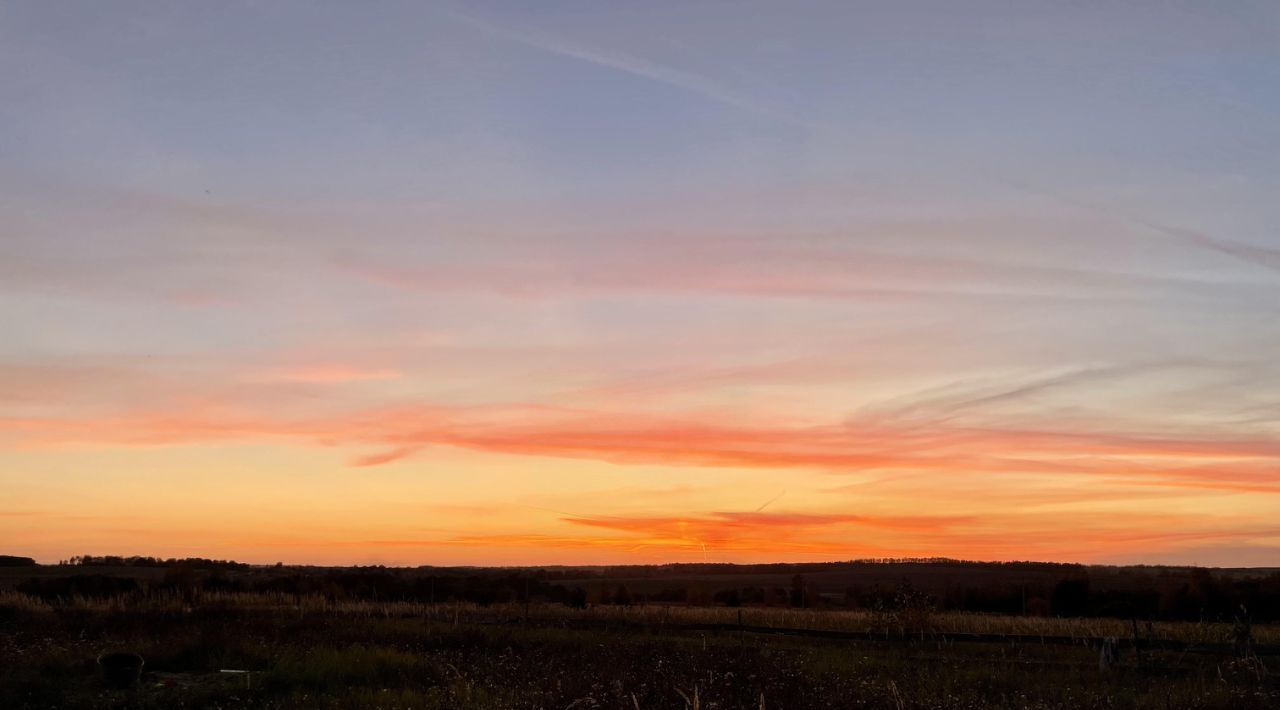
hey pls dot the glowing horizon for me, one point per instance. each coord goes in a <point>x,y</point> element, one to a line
<point>591,284</point>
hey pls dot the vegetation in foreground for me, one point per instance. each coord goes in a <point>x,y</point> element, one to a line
<point>306,652</point>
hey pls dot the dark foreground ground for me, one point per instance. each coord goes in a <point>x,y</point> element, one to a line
<point>310,657</point>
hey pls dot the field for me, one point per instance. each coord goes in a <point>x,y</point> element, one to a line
<point>305,651</point>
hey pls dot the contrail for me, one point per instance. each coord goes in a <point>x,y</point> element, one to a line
<point>708,88</point>
<point>635,66</point>
<point>1266,257</point>
<point>771,501</point>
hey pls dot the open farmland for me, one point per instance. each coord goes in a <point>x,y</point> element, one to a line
<point>356,647</point>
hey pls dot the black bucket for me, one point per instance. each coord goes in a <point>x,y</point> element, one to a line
<point>120,670</point>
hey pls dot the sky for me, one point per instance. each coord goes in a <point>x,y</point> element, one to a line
<point>511,283</point>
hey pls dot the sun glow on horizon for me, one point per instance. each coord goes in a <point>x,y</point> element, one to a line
<point>600,285</point>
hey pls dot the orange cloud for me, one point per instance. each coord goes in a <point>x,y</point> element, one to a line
<point>1215,462</point>
<point>765,536</point>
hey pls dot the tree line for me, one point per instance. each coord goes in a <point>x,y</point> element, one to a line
<point>1190,594</point>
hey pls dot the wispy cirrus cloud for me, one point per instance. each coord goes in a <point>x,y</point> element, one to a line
<point>327,374</point>
<point>780,271</point>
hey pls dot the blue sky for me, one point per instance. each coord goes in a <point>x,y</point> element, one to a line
<point>693,252</point>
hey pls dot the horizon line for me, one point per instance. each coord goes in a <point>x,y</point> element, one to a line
<point>850,561</point>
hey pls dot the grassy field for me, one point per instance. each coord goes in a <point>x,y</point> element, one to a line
<point>305,652</point>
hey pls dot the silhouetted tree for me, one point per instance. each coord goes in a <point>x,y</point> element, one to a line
<point>621,596</point>
<point>799,591</point>
<point>728,597</point>
<point>577,598</point>
<point>1070,597</point>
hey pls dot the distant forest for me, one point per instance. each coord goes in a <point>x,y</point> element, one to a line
<point>1026,588</point>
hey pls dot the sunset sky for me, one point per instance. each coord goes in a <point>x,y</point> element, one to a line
<point>598,282</point>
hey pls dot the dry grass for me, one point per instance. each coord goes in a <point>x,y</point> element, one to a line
<point>652,615</point>
<point>311,651</point>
